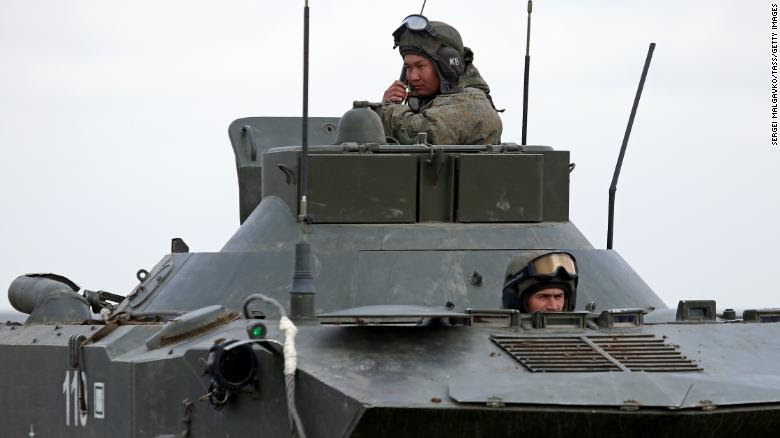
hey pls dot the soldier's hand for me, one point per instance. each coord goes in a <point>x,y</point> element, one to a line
<point>396,93</point>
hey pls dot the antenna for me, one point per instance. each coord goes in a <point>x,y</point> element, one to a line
<point>616,175</point>
<point>302,288</point>
<point>526,72</point>
<point>304,172</point>
<point>423,7</point>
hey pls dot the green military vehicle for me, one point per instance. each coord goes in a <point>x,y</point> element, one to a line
<point>410,246</point>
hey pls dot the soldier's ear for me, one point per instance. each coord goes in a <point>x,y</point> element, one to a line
<point>450,64</point>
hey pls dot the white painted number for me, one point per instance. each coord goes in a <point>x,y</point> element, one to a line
<point>70,388</point>
<point>66,391</point>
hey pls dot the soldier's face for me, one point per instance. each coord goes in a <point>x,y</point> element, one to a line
<point>421,74</point>
<point>547,300</point>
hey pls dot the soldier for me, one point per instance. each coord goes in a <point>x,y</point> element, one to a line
<point>541,281</point>
<point>448,99</point>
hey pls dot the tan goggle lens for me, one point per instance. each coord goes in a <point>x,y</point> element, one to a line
<point>548,264</point>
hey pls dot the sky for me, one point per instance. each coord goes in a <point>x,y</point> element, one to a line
<point>114,116</point>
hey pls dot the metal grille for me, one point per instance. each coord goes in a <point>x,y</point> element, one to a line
<point>595,353</point>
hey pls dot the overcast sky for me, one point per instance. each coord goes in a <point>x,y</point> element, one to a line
<point>114,115</point>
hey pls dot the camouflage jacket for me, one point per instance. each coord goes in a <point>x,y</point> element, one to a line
<point>465,117</point>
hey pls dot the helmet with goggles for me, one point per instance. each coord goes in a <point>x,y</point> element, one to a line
<point>537,270</point>
<point>437,41</point>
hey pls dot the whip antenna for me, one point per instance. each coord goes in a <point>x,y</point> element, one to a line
<point>304,173</point>
<point>526,72</point>
<point>616,175</point>
<point>423,8</point>
<point>302,288</point>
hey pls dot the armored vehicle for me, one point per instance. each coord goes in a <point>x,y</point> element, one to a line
<point>372,307</point>
<point>407,338</point>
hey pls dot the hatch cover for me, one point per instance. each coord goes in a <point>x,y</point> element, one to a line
<point>589,353</point>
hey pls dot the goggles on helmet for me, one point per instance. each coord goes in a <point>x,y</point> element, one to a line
<point>546,266</point>
<point>415,23</point>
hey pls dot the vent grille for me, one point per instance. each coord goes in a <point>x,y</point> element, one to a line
<point>591,353</point>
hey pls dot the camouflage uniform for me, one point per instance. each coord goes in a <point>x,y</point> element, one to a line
<point>462,112</point>
<point>465,117</point>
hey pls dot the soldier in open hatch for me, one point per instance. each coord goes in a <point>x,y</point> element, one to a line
<point>541,281</point>
<point>448,99</point>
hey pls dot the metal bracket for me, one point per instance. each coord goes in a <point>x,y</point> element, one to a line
<point>437,160</point>
<point>289,174</point>
<point>630,405</point>
<point>74,349</point>
<point>495,402</point>
<point>247,130</point>
<point>707,405</point>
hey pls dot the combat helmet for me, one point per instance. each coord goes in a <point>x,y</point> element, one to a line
<point>437,41</point>
<point>536,270</point>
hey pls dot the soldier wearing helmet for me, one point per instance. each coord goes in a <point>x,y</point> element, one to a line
<point>541,281</point>
<point>447,98</point>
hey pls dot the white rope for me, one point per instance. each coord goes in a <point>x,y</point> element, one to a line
<point>290,354</point>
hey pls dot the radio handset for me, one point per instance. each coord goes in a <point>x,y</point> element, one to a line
<point>412,101</point>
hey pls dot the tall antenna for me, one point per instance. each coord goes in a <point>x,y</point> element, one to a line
<point>423,7</point>
<point>616,175</point>
<point>302,288</point>
<point>304,172</point>
<point>526,72</point>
